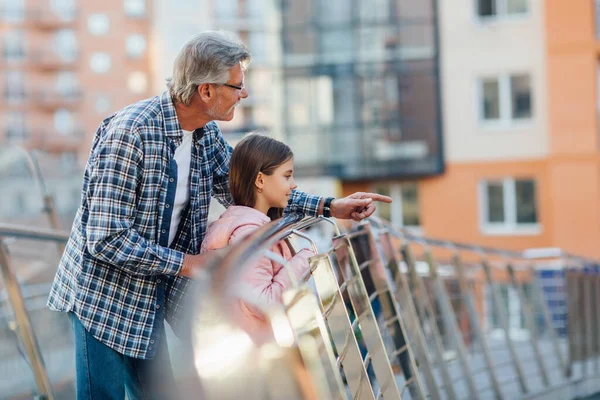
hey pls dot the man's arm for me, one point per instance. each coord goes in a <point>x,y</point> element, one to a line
<point>115,176</point>
<point>357,206</point>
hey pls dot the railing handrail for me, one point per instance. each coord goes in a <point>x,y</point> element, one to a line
<point>27,232</point>
<point>527,254</point>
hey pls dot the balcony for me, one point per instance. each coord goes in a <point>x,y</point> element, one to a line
<point>46,19</point>
<point>50,60</point>
<point>52,99</point>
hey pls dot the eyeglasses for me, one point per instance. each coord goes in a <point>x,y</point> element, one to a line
<point>231,86</point>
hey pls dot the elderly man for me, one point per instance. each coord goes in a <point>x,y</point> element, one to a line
<point>135,239</point>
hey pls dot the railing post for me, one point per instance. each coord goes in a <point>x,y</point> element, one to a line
<point>465,291</point>
<point>450,320</point>
<point>24,324</point>
<point>530,323</point>
<point>425,308</point>
<point>500,312</point>
<point>411,319</point>
<point>538,293</point>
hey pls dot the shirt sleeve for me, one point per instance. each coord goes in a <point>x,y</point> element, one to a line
<point>222,156</point>
<point>112,195</point>
<point>303,203</point>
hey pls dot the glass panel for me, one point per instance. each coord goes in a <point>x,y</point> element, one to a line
<point>520,89</point>
<point>410,205</point>
<point>13,10</point>
<point>65,9</point>
<point>495,198</point>
<point>491,99</point>
<point>516,6</point>
<point>14,86</point>
<point>14,45</point>
<point>526,204</point>
<point>136,8</point>
<point>487,8</point>
<point>65,44</point>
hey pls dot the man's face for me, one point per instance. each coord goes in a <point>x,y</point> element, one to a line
<point>227,97</point>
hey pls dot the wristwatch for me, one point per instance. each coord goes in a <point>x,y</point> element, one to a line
<point>327,207</point>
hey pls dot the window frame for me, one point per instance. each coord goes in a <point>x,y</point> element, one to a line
<point>506,118</point>
<point>510,226</point>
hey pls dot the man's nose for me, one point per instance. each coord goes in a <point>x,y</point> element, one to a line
<point>244,93</point>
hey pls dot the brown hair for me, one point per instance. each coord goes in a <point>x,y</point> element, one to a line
<point>253,154</point>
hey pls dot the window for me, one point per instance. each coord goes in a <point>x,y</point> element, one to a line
<point>509,206</point>
<point>67,84</point>
<point>14,86</point>
<point>16,127</point>
<point>13,10</point>
<point>64,122</point>
<point>135,8</point>
<point>505,99</point>
<point>403,212</point>
<point>98,24</point>
<point>501,8</point>
<point>65,44</point>
<point>65,9</point>
<point>100,63</point>
<point>14,45</point>
<point>135,45</point>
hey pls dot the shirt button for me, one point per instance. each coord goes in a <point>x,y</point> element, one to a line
<point>164,231</point>
<point>157,306</point>
<point>150,348</point>
<point>172,180</point>
<point>167,205</point>
<point>152,341</point>
<point>158,281</point>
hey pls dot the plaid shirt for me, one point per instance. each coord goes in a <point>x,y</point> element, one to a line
<point>118,273</point>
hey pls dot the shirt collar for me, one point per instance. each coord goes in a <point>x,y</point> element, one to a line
<point>170,121</point>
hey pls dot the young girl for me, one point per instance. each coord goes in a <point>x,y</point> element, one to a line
<point>261,180</point>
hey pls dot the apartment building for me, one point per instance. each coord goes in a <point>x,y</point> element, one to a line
<point>65,65</point>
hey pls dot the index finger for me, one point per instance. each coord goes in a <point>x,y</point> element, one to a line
<point>378,197</point>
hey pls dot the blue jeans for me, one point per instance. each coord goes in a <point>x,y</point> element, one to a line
<point>102,373</point>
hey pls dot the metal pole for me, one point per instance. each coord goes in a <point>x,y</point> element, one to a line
<point>24,324</point>
<point>465,291</point>
<point>496,300</point>
<point>530,323</point>
<point>450,320</point>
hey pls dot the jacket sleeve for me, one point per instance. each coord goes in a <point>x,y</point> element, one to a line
<point>260,283</point>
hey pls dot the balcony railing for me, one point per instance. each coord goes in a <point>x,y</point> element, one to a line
<point>53,99</point>
<point>50,60</point>
<point>48,19</point>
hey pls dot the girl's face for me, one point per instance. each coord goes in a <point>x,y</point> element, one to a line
<point>278,187</point>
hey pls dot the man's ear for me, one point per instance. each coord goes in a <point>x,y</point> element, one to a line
<point>259,182</point>
<point>206,92</point>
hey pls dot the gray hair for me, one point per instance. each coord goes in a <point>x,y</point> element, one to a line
<point>205,58</point>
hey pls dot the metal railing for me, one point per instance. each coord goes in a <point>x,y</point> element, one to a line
<point>381,313</point>
<point>386,314</point>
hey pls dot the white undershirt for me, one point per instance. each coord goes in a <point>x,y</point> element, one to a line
<point>183,157</point>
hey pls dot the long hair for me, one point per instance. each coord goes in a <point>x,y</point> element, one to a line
<point>253,154</point>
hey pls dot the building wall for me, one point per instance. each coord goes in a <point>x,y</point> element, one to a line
<point>470,49</point>
<point>558,148</point>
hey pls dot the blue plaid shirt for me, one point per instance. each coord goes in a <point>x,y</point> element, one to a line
<point>118,273</point>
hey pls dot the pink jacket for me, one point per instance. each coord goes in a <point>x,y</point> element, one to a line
<point>265,281</point>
